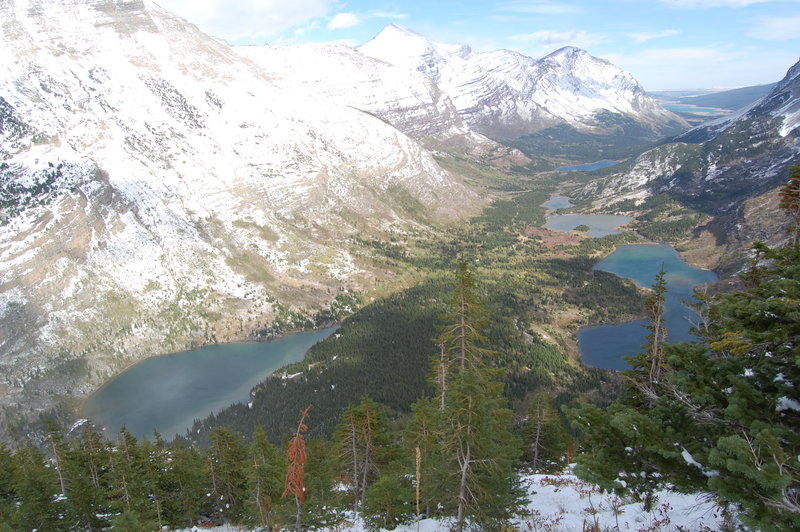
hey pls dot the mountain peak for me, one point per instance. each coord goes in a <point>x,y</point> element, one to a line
<point>406,48</point>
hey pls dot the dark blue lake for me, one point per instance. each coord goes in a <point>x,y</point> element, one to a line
<point>604,345</point>
<point>588,167</point>
<point>168,393</point>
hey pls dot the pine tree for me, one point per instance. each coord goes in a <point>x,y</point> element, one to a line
<point>85,464</point>
<point>7,492</point>
<point>426,431</point>
<point>186,488</point>
<point>264,478</point>
<point>226,460</point>
<point>363,442</point>
<point>648,368</point>
<point>472,464</point>
<point>790,202</point>
<point>387,503</point>
<point>461,338</point>
<point>324,503</point>
<point>40,503</point>
<point>546,440</point>
<point>127,484</point>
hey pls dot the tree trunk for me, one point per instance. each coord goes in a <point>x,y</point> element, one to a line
<point>462,490</point>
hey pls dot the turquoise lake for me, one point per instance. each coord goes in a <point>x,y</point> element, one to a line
<point>167,393</point>
<point>604,345</point>
<point>588,167</point>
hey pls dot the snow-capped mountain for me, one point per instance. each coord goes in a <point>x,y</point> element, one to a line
<point>410,101</point>
<point>506,94</point>
<point>717,165</point>
<point>158,190</point>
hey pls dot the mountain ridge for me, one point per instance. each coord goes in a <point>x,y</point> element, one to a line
<point>504,94</point>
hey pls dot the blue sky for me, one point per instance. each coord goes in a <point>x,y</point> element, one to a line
<point>665,44</point>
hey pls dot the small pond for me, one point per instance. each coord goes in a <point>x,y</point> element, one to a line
<point>599,224</point>
<point>588,167</point>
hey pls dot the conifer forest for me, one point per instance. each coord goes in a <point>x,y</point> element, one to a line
<point>715,415</point>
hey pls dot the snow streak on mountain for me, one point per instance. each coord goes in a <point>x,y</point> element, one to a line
<point>506,94</point>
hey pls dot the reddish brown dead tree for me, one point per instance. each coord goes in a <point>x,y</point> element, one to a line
<point>296,452</point>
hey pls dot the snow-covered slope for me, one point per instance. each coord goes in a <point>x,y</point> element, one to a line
<point>410,101</point>
<point>718,165</point>
<point>506,94</point>
<point>157,190</point>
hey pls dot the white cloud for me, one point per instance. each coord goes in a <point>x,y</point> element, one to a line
<point>776,29</point>
<point>644,37</point>
<point>387,14</point>
<point>248,20</point>
<point>539,7</point>
<point>344,20</point>
<point>718,3</point>
<point>579,38</point>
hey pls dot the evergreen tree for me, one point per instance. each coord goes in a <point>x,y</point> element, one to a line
<point>225,463</point>
<point>265,469</point>
<point>426,431</point>
<point>86,465</point>
<point>186,487</point>
<point>546,440</point>
<point>472,465</point>
<point>482,451</point>
<point>324,503</point>
<point>363,443</point>
<point>40,505</point>
<point>790,202</point>
<point>460,336</point>
<point>127,477</point>
<point>388,502</point>
<point>649,367</point>
<point>8,495</point>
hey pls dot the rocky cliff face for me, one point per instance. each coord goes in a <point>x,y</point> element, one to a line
<point>160,191</point>
<point>505,94</point>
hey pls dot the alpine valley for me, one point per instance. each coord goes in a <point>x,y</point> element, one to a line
<point>161,190</point>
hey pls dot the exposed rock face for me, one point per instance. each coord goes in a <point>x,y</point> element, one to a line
<point>504,94</point>
<point>159,191</point>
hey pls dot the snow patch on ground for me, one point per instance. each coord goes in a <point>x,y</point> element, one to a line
<point>563,503</point>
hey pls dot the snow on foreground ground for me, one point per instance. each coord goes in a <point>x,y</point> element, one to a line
<point>563,503</point>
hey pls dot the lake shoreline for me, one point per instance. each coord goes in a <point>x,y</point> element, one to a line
<point>674,306</point>
<point>81,409</point>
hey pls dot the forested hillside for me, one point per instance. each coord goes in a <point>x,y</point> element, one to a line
<point>718,415</point>
<point>384,350</point>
